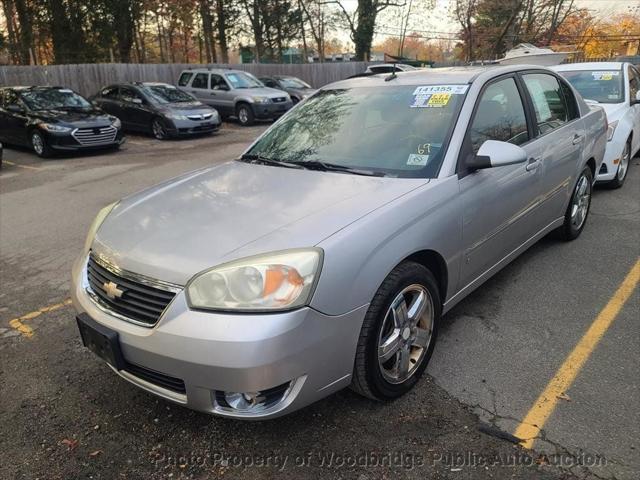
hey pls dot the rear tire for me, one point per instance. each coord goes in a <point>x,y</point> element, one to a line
<point>623,167</point>
<point>245,115</point>
<point>575,218</point>
<point>39,144</point>
<point>398,333</point>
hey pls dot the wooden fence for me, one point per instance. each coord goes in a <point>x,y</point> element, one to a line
<point>87,79</point>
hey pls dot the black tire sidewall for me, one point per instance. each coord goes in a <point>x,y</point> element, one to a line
<point>616,182</point>
<point>45,149</point>
<point>569,232</point>
<point>409,273</point>
<point>250,116</point>
<point>164,128</point>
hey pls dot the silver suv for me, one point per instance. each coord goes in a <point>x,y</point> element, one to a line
<point>235,93</point>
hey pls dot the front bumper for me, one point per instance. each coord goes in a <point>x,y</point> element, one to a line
<point>193,127</point>
<point>266,111</point>
<point>612,157</point>
<point>219,352</point>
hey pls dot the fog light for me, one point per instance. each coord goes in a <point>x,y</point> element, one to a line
<point>251,402</point>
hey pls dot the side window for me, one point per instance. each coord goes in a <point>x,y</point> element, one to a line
<point>130,95</point>
<point>634,83</point>
<point>548,102</point>
<point>269,82</point>
<point>11,98</point>
<point>217,81</point>
<point>570,100</point>
<point>184,79</point>
<point>201,80</point>
<point>110,92</point>
<point>499,116</point>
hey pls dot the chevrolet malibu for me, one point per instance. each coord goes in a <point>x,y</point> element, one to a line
<point>325,255</point>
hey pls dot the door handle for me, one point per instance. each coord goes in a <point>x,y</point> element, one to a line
<point>577,139</point>
<point>213,94</point>
<point>533,163</point>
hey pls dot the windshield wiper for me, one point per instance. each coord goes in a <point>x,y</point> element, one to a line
<point>262,160</point>
<point>332,167</point>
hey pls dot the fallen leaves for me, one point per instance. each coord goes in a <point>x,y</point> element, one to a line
<point>95,453</point>
<point>70,443</point>
<point>563,396</point>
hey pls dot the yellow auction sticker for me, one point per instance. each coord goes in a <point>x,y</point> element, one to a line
<point>439,99</point>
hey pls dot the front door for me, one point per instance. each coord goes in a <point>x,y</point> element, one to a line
<point>499,203</point>
<point>200,88</point>
<point>135,109</point>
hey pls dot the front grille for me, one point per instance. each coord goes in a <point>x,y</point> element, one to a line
<point>157,378</point>
<point>198,118</point>
<point>90,137</point>
<point>136,301</point>
<point>279,99</point>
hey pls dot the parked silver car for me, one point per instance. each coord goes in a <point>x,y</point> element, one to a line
<point>326,254</point>
<point>235,93</point>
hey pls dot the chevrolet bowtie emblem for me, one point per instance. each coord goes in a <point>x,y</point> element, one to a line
<point>112,290</point>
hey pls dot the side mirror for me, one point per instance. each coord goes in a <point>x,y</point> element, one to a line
<point>13,108</point>
<point>636,101</point>
<point>137,101</point>
<point>494,153</point>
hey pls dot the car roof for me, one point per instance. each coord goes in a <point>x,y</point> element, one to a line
<point>219,71</point>
<point>569,67</point>
<point>24,88</point>
<point>434,76</point>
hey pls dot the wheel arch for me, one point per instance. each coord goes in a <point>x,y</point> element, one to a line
<point>435,262</point>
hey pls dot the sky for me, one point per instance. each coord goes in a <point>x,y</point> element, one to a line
<point>440,20</point>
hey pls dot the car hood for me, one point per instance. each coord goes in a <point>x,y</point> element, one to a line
<point>302,91</point>
<point>76,118</point>
<point>205,218</point>
<point>263,92</point>
<point>194,108</point>
<point>615,111</point>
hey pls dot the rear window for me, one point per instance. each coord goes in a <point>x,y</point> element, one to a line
<point>184,79</point>
<point>602,86</point>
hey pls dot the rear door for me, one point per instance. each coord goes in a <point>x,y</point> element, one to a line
<point>108,100</point>
<point>222,95</point>
<point>499,204</point>
<point>199,87</point>
<point>136,108</point>
<point>560,136</point>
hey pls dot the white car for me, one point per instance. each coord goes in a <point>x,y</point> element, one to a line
<point>615,86</point>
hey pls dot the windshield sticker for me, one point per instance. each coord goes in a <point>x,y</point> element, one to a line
<point>439,100</point>
<point>420,101</point>
<point>451,89</point>
<point>604,75</point>
<point>424,148</point>
<point>417,160</point>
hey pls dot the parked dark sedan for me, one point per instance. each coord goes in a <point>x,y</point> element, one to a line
<point>297,89</point>
<point>50,119</point>
<point>157,108</point>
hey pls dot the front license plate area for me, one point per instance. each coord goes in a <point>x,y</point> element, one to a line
<point>101,340</point>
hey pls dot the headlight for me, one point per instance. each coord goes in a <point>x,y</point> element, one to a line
<point>51,127</point>
<point>611,129</point>
<point>261,99</point>
<point>115,121</point>
<point>102,214</point>
<point>276,281</point>
<point>175,116</point>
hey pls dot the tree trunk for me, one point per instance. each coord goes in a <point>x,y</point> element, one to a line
<point>222,31</point>
<point>25,35</point>
<point>363,34</point>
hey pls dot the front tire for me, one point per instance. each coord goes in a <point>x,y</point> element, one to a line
<point>577,212</point>
<point>623,167</point>
<point>39,144</point>
<point>245,115</point>
<point>158,129</point>
<point>398,333</point>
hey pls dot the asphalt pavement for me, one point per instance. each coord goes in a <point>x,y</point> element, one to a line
<point>65,415</point>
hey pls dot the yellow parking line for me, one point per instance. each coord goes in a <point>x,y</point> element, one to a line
<point>544,406</point>
<point>28,167</point>
<point>26,330</point>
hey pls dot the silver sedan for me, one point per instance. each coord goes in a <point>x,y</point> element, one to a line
<point>325,256</point>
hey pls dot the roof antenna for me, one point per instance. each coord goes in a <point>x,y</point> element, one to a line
<point>393,74</point>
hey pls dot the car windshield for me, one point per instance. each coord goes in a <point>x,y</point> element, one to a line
<point>243,80</point>
<point>53,98</point>
<point>164,94</point>
<point>293,82</point>
<point>396,130</point>
<point>603,86</point>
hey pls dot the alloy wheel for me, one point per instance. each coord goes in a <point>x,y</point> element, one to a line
<point>580,203</point>
<point>624,162</point>
<point>38,143</point>
<point>158,130</point>
<point>406,333</point>
<point>243,115</point>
